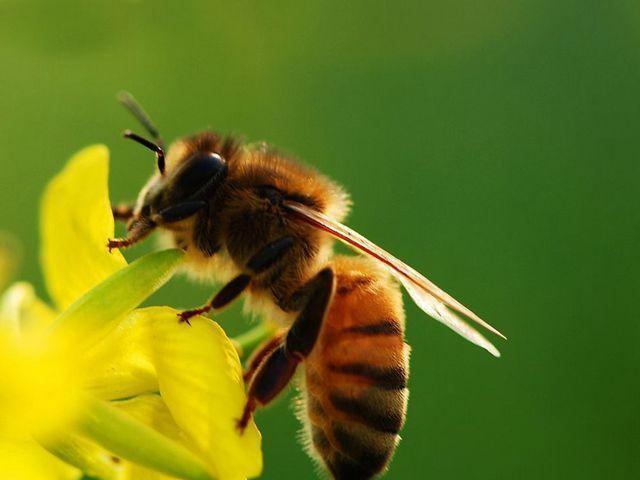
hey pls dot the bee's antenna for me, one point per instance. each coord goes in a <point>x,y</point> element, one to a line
<point>131,104</point>
<point>157,149</point>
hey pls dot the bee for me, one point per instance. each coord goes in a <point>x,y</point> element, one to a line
<point>264,225</point>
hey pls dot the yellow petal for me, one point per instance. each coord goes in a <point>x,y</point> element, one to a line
<point>26,313</point>
<point>40,387</point>
<point>200,380</point>
<point>76,222</point>
<point>9,258</point>
<point>26,460</point>
<point>33,369</point>
<point>9,321</point>
<point>122,363</point>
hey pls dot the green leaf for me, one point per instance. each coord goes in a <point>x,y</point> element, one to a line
<point>96,313</point>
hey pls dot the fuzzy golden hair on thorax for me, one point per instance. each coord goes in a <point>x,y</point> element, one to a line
<point>294,179</point>
<point>228,147</point>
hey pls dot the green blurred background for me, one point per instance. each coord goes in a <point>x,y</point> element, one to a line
<point>492,144</point>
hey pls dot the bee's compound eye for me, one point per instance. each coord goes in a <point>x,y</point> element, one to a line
<point>200,169</point>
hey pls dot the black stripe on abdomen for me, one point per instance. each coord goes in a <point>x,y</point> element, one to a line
<point>387,378</point>
<point>360,456</point>
<point>385,327</point>
<point>320,440</point>
<point>379,416</point>
<point>345,468</point>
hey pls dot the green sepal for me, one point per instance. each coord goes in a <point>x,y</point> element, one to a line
<point>83,454</point>
<point>96,313</point>
<point>130,439</point>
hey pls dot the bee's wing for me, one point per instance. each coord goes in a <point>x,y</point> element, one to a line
<point>431,299</point>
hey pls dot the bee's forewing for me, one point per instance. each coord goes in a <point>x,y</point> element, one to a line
<point>431,299</point>
<point>439,311</point>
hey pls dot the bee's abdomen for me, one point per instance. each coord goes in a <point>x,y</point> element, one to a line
<point>358,435</point>
<point>356,377</point>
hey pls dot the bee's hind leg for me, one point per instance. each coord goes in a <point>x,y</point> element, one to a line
<point>277,368</point>
<point>262,352</point>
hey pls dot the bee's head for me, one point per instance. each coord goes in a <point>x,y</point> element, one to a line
<point>181,187</point>
<point>183,183</point>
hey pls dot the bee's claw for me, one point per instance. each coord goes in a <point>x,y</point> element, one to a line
<point>249,408</point>
<point>187,315</point>
<point>241,426</point>
<point>114,243</point>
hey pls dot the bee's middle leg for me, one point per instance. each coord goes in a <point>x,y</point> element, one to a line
<point>229,292</point>
<point>258,263</point>
<point>139,228</point>
<point>277,369</point>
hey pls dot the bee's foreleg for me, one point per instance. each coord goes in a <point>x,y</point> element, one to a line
<point>178,212</point>
<point>138,231</point>
<point>275,372</point>
<point>122,212</point>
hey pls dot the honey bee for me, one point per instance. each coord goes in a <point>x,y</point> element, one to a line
<point>265,225</point>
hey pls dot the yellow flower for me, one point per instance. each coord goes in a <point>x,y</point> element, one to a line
<point>8,260</point>
<point>115,392</point>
